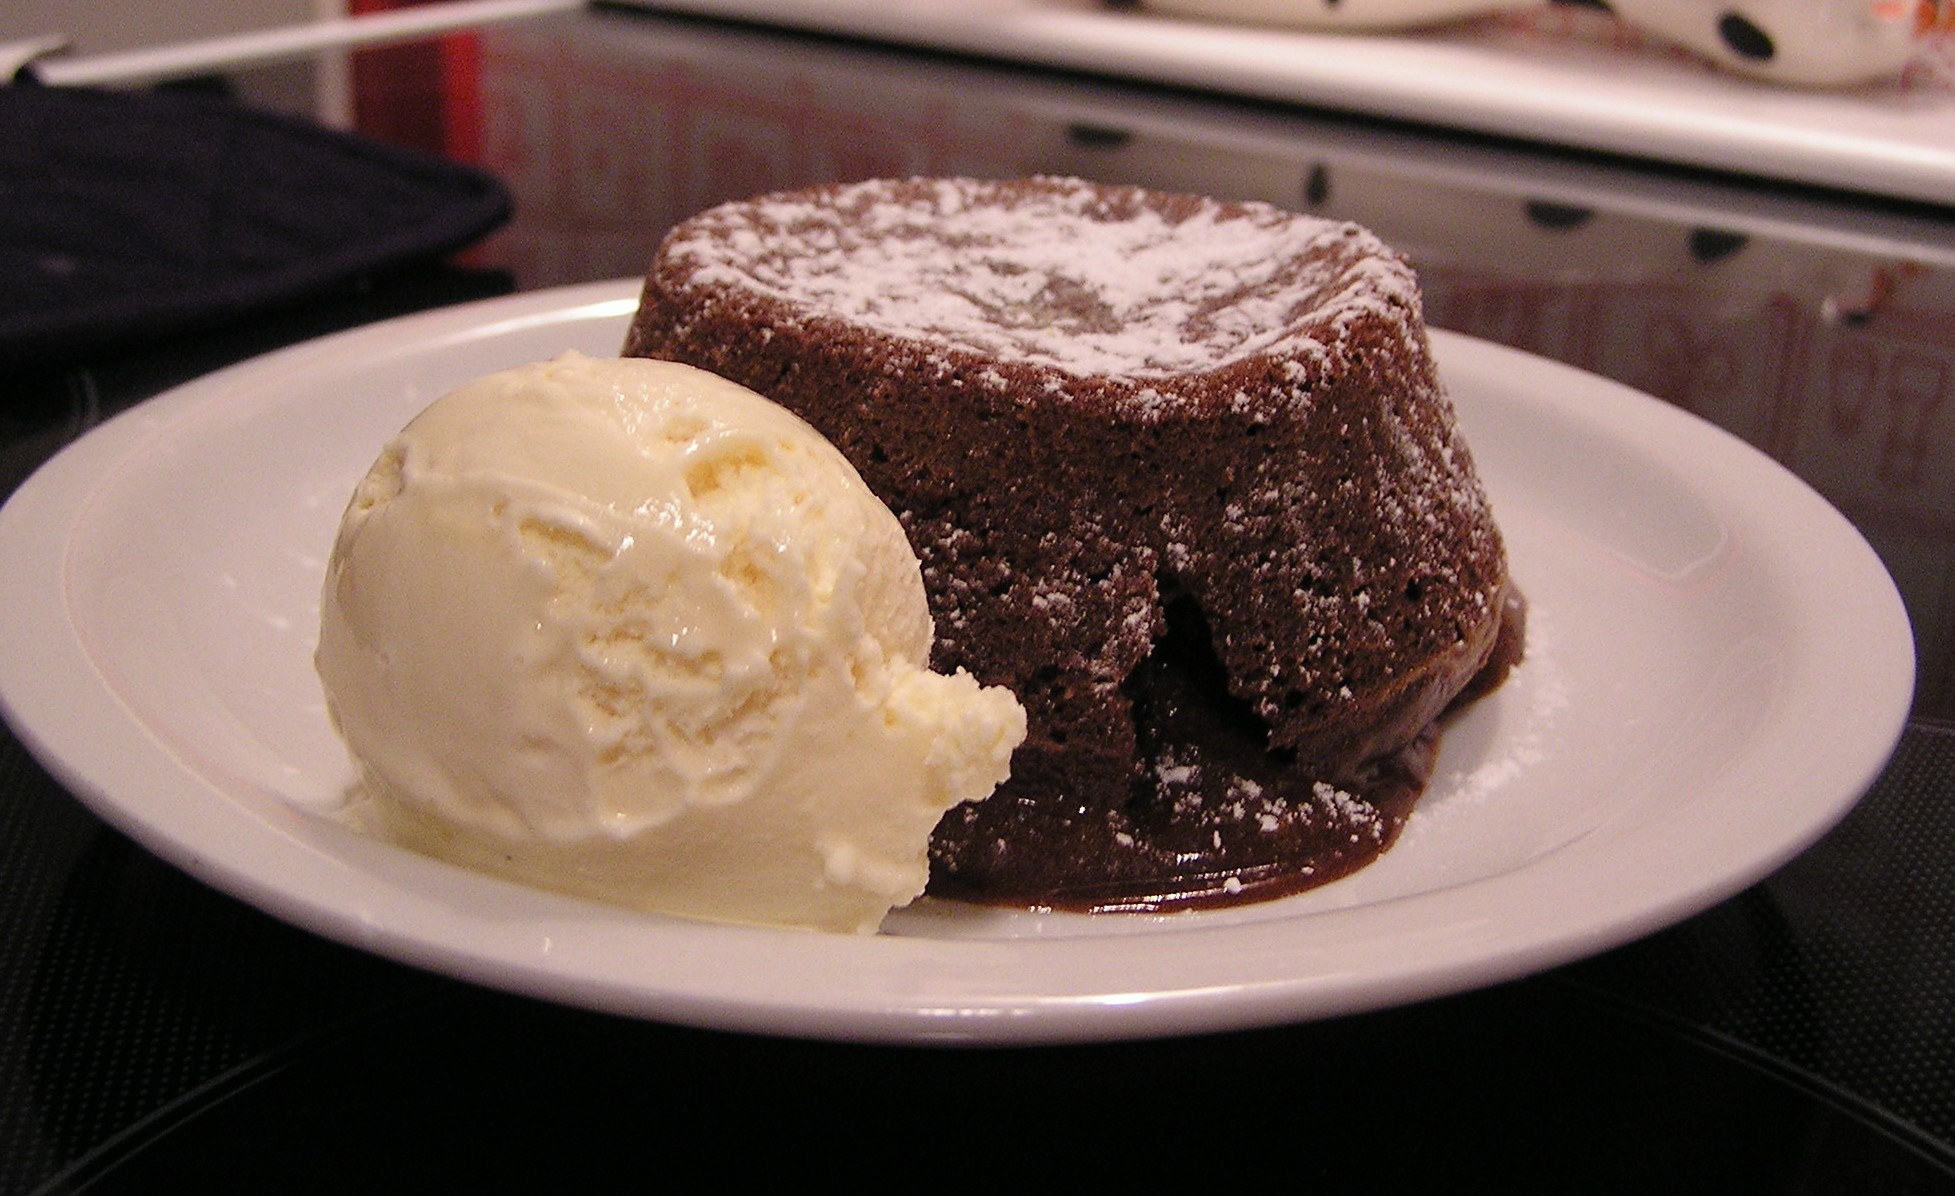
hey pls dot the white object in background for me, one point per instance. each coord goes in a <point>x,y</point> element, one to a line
<point>1822,42</point>
<point>1894,141</point>
<point>1812,42</point>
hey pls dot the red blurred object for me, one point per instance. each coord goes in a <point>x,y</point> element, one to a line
<point>422,95</point>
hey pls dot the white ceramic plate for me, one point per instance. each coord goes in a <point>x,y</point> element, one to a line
<point>1718,668</point>
<point>1882,138</point>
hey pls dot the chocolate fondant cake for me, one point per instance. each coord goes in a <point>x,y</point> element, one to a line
<point>1180,472</point>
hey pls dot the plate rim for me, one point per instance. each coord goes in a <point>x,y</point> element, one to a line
<point>48,704</point>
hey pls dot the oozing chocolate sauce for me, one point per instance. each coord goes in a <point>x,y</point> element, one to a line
<point>1214,817</point>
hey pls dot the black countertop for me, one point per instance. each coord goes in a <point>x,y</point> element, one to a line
<point>157,1035</point>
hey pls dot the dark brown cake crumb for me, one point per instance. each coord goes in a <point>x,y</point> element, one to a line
<point>1180,473</point>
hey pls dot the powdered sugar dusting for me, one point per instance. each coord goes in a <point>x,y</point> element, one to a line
<point>1057,276</point>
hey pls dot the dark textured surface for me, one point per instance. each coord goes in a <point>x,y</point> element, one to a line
<point>1839,972</point>
<point>129,216</point>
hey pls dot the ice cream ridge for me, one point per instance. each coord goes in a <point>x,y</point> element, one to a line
<point>627,630</point>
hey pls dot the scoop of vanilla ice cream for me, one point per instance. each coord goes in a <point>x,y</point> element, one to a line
<point>627,630</point>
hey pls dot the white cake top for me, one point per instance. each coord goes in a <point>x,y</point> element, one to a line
<point>1058,273</point>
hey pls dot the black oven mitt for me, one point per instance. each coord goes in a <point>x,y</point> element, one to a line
<point>127,217</point>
